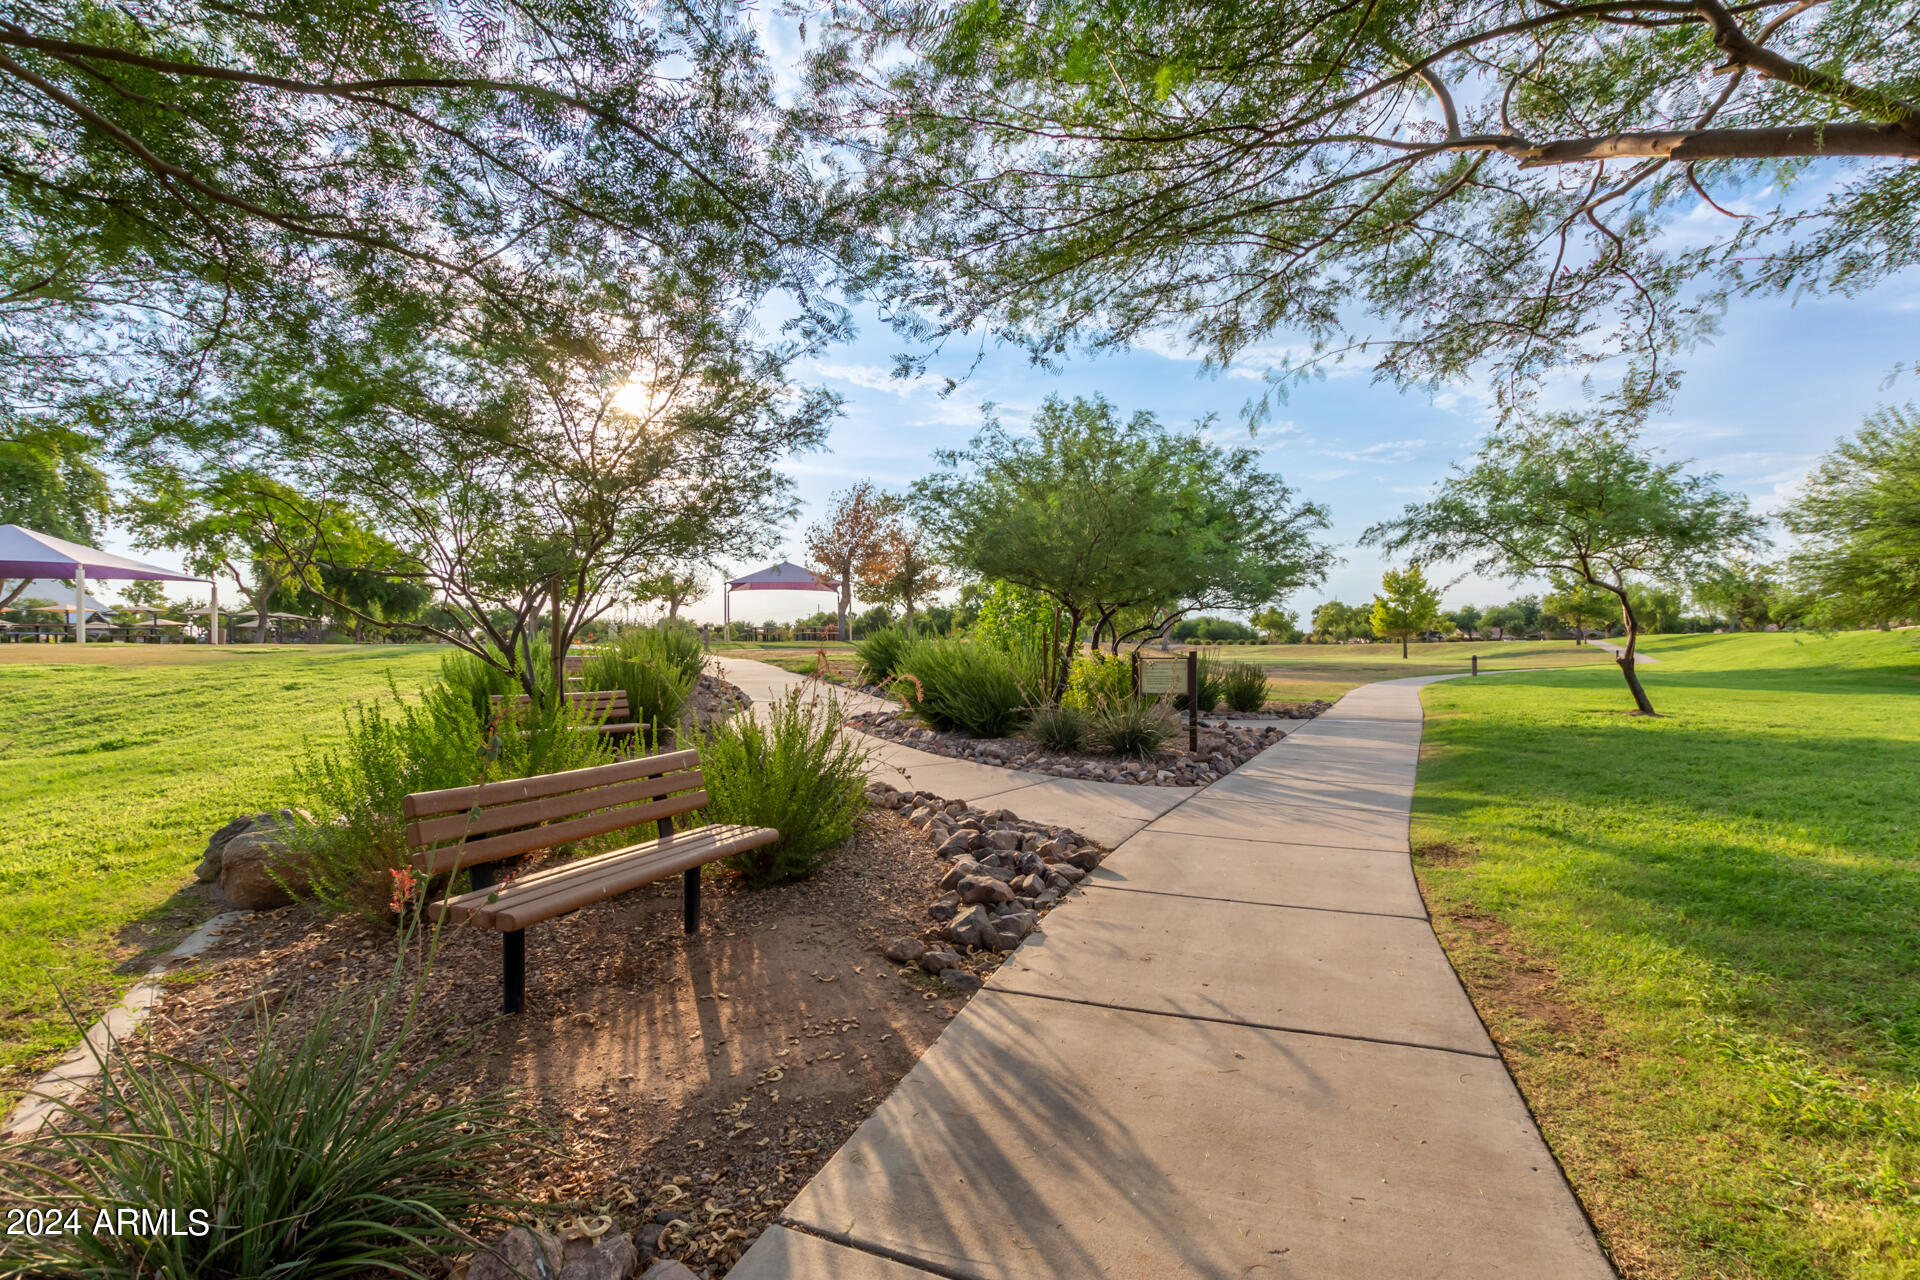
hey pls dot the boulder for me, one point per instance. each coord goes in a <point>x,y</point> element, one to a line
<point>209,869</point>
<point>974,928</point>
<point>1017,925</point>
<point>984,889</point>
<point>611,1257</point>
<point>668,1269</point>
<point>940,961</point>
<point>1005,839</point>
<point>1027,886</point>
<point>946,908</point>
<point>960,980</point>
<point>957,844</point>
<point>958,872</point>
<point>256,866</point>
<point>522,1252</point>
<point>905,950</point>
<point>1084,858</point>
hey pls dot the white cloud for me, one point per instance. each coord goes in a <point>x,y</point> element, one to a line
<point>1385,451</point>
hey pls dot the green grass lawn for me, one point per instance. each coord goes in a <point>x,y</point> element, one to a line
<point>119,761</point>
<point>1697,939</point>
<point>801,656</point>
<point>1303,672</point>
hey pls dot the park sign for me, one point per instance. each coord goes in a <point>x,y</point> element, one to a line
<point>1159,676</point>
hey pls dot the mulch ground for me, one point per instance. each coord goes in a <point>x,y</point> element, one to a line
<point>701,1079</point>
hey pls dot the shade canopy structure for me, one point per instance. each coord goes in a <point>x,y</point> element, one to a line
<point>27,553</point>
<point>785,576</point>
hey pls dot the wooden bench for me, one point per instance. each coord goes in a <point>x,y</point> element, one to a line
<point>608,707</point>
<point>479,828</point>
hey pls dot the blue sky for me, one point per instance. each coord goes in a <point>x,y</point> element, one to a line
<point>1771,394</point>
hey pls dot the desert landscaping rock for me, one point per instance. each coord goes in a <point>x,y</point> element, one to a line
<point>209,869</point>
<point>960,980</point>
<point>256,866</point>
<point>1223,747</point>
<point>522,1252</point>
<point>905,950</point>
<point>940,960</point>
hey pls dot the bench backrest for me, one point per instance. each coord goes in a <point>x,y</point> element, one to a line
<point>462,826</point>
<point>602,704</point>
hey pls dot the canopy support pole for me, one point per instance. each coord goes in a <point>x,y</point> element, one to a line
<point>726,611</point>
<point>79,604</point>
<point>213,613</point>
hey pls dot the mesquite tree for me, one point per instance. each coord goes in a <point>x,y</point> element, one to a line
<point>850,542</point>
<point>1487,182</point>
<point>1581,499</point>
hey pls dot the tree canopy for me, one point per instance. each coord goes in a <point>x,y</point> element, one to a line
<point>1584,500</point>
<point>1123,523</point>
<point>1859,524</point>
<point>1407,605</point>
<point>1429,187</point>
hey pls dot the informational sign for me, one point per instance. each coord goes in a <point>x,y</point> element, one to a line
<point>1162,675</point>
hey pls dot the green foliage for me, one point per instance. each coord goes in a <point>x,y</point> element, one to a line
<point>1098,677</point>
<point>318,1160</point>
<point>1211,631</point>
<point>1277,625</point>
<point>1336,621</point>
<point>1010,616</point>
<point>964,686</point>
<point>657,667</point>
<point>1122,523</point>
<point>672,646</point>
<point>1210,679</point>
<point>479,682</point>
<point>1131,727</point>
<point>1401,182</point>
<point>1059,729</point>
<point>49,481</point>
<point>789,768</point>
<point>1244,686</point>
<point>1579,604</point>
<point>880,653</point>
<point>1859,524</point>
<point>1409,605</point>
<point>392,750</point>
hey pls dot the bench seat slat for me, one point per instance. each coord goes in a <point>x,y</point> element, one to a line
<point>558,890</point>
<point>454,826</point>
<point>430,804</point>
<point>451,857</point>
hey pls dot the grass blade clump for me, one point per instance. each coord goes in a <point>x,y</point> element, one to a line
<point>1244,686</point>
<point>321,1157</point>
<point>880,653</point>
<point>791,769</point>
<point>957,685</point>
<point>1131,727</point>
<point>1059,729</point>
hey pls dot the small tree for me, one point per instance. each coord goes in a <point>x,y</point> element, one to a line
<point>1740,591</point>
<point>1579,604</point>
<point>1579,498</point>
<point>1466,620</point>
<point>1409,605</point>
<point>1515,617</point>
<point>1277,624</point>
<point>902,572</point>
<point>849,539</point>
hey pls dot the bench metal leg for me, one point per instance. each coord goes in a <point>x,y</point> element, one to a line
<point>690,899</point>
<point>513,976</point>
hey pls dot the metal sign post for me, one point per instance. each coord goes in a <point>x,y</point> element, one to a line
<point>1193,701</point>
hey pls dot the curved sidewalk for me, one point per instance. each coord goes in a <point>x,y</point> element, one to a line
<point>1107,812</point>
<point>1240,1053</point>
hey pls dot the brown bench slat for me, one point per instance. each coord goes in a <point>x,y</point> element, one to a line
<point>428,804</point>
<point>499,817</point>
<point>452,857</point>
<point>578,697</point>
<point>530,900</point>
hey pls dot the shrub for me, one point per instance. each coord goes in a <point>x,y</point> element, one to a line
<point>974,689</point>
<point>670,646</point>
<point>318,1160</point>
<point>790,769</point>
<point>1244,686</point>
<point>478,682</point>
<point>656,694</point>
<point>392,750</point>
<point>1098,677</point>
<point>880,653</point>
<point>1059,729</point>
<point>1131,727</point>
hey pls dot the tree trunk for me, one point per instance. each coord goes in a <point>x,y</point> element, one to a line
<point>673,608</point>
<point>846,597</point>
<point>1625,659</point>
<point>1066,667</point>
<point>557,644</point>
<point>1403,648</point>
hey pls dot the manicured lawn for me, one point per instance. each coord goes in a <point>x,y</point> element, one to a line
<point>1303,672</point>
<point>1697,939</point>
<point>119,760</point>
<point>802,656</point>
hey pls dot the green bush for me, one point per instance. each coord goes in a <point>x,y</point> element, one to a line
<point>392,750</point>
<point>1131,727</point>
<point>1244,686</point>
<point>972,688</point>
<point>670,646</point>
<point>1059,728</point>
<point>479,682</point>
<point>656,694</point>
<point>790,769</point>
<point>1098,677</point>
<point>318,1160</point>
<point>880,653</point>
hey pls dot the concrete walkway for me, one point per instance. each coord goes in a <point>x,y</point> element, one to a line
<point>1106,812</point>
<point>1240,1053</point>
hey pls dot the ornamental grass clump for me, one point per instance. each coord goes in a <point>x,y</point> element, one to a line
<point>957,685</point>
<point>880,653</point>
<point>328,1153</point>
<point>1131,727</point>
<point>1244,686</point>
<point>789,768</point>
<point>1059,729</point>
